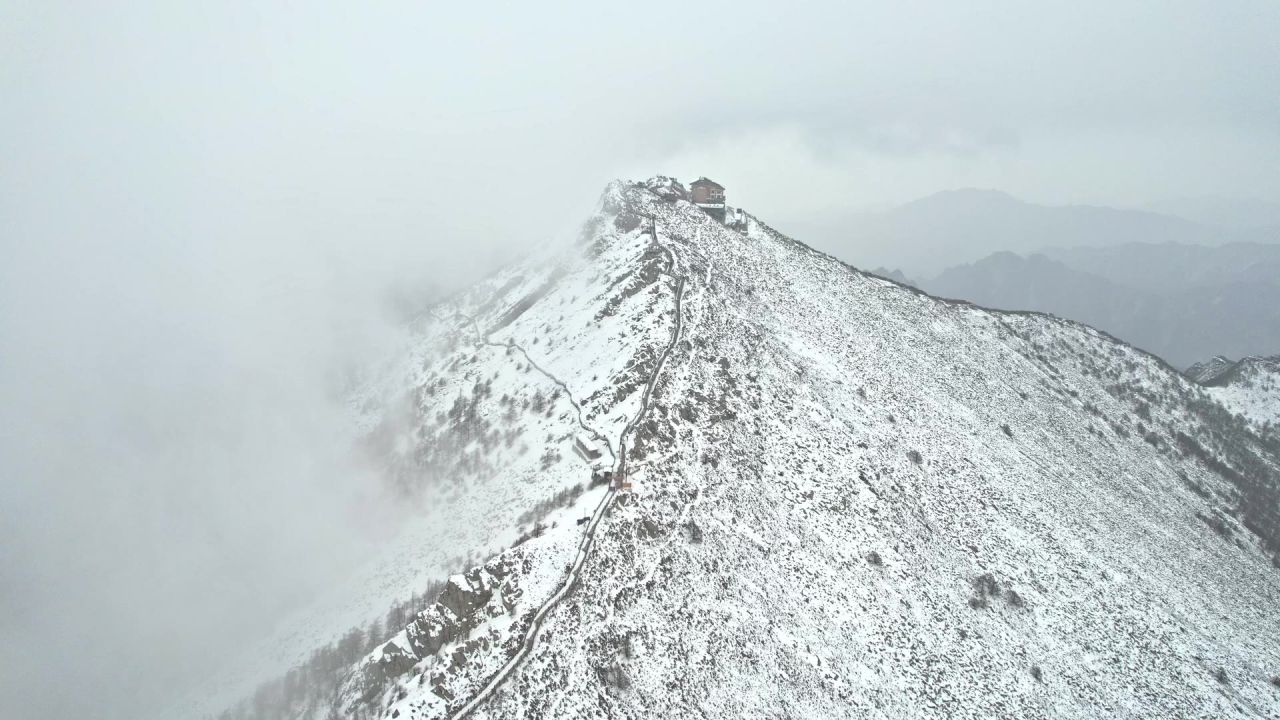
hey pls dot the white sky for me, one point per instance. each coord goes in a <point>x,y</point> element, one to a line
<point>202,208</point>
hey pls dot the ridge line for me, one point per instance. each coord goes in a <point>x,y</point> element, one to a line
<point>585,545</point>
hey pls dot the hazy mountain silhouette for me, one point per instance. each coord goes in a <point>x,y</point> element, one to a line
<point>948,228</point>
<point>1182,303</point>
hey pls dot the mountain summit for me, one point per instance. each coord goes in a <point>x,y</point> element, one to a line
<point>829,495</point>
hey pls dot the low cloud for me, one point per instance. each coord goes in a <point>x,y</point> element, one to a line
<point>210,215</point>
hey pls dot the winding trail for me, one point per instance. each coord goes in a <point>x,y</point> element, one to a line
<point>620,459</point>
<point>483,339</point>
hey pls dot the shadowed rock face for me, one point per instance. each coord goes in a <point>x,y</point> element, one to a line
<point>1208,371</point>
<point>467,602</point>
<point>463,594</point>
<point>1221,371</point>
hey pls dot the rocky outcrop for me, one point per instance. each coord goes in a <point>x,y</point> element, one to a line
<point>467,602</point>
<point>465,593</point>
<point>1208,371</point>
<point>666,188</point>
<point>1249,387</point>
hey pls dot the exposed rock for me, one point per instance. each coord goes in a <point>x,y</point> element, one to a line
<point>464,593</point>
<point>666,188</point>
<point>394,662</point>
<point>648,529</point>
<point>466,601</point>
<point>626,222</point>
<point>614,676</point>
<point>693,532</point>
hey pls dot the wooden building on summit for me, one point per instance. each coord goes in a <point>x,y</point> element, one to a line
<point>708,195</point>
<point>707,192</point>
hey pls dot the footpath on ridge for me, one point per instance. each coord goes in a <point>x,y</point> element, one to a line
<point>620,462</point>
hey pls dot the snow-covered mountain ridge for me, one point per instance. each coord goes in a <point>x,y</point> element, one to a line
<point>1207,371</point>
<point>848,499</point>
<point>1249,386</point>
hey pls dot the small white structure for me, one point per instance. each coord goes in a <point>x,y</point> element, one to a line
<point>587,448</point>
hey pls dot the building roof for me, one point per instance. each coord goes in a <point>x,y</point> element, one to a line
<point>702,181</point>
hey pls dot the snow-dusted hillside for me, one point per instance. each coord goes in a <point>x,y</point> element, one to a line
<point>476,425</point>
<point>1250,387</point>
<point>848,499</point>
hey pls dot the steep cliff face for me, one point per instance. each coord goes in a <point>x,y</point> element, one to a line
<point>847,498</point>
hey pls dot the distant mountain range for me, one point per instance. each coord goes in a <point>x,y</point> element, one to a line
<point>1180,302</point>
<point>926,236</point>
<point>1241,213</point>
<point>1170,267</point>
<point>1180,288</point>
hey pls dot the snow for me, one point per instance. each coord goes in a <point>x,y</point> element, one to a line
<point>1129,603</point>
<point>1250,388</point>
<point>584,326</point>
<point>852,499</point>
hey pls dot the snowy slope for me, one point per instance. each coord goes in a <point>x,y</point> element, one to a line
<point>475,425</point>
<point>850,499</point>
<point>1249,387</point>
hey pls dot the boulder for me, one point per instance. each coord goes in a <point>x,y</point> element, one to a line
<point>464,594</point>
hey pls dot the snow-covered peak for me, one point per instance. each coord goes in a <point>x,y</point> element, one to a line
<point>843,497</point>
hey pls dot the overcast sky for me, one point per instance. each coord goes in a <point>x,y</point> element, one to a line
<point>204,208</point>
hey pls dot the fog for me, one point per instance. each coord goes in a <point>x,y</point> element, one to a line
<point>210,214</point>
